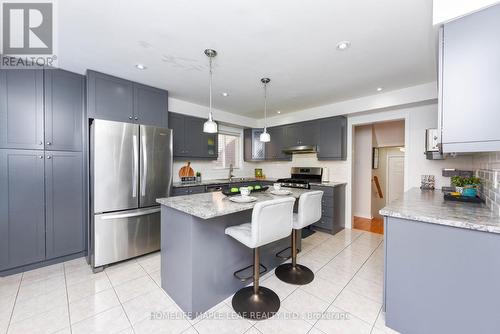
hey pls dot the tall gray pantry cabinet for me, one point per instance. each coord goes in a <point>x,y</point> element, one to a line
<point>42,192</point>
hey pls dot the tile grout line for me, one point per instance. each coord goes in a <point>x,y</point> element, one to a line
<point>15,301</point>
<point>159,285</point>
<point>378,315</point>
<point>371,254</point>
<point>67,298</point>
<point>119,301</point>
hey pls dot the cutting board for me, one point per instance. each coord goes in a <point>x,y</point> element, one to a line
<point>186,171</point>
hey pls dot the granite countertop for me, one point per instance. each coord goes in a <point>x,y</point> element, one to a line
<point>219,181</point>
<point>430,207</point>
<point>215,204</point>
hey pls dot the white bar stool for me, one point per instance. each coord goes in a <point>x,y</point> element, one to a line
<point>271,221</point>
<point>309,212</point>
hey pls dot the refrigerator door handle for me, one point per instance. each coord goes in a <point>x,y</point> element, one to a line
<point>144,175</point>
<point>131,214</point>
<point>136,166</point>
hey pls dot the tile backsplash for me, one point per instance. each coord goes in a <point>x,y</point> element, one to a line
<point>487,167</point>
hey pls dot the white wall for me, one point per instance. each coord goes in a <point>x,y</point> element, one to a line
<point>362,171</point>
<point>188,108</point>
<point>389,134</point>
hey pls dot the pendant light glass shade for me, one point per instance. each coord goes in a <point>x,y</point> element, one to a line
<point>210,126</point>
<point>265,137</point>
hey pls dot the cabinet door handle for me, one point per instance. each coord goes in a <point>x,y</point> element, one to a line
<point>40,143</point>
<point>49,143</point>
<point>49,157</point>
<point>40,156</point>
<point>136,118</point>
<point>130,117</point>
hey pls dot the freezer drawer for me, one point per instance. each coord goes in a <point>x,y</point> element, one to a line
<point>122,235</point>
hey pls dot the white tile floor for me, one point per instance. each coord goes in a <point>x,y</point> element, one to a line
<point>345,297</point>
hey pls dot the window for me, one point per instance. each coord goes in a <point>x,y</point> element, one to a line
<point>229,150</point>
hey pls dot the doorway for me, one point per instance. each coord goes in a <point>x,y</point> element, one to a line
<point>378,171</point>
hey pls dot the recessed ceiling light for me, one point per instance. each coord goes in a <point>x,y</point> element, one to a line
<point>225,94</point>
<point>343,45</point>
<point>278,112</point>
<point>379,89</point>
<point>140,67</point>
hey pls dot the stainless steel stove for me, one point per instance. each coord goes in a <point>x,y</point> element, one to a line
<point>301,177</point>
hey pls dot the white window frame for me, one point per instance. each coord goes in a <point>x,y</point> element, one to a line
<point>237,133</point>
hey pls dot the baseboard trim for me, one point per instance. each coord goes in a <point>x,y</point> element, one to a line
<point>41,264</point>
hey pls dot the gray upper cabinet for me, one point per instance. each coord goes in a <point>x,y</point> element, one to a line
<point>65,202</point>
<point>176,123</point>
<point>328,134</point>
<point>189,139</point>
<point>254,149</point>
<point>332,143</point>
<point>274,148</point>
<point>110,98</point>
<point>151,105</point>
<point>470,81</point>
<point>64,110</point>
<point>22,223</point>
<point>115,99</point>
<point>21,109</point>
<point>304,133</point>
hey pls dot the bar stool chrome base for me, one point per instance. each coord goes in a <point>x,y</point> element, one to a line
<point>256,306</point>
<point>298,274</point>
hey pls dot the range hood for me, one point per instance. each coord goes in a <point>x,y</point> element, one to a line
<point>301,149</point>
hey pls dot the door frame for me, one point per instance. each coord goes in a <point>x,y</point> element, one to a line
<point>364,119</point>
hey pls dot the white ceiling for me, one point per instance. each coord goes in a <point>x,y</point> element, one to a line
<point>291,41</point>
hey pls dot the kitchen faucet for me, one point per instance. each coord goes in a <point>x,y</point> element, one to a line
<point>231,172</point>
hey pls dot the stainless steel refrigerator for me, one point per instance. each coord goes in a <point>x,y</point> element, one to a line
<point>130,167</point>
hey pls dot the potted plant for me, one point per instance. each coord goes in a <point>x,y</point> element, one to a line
<point>198,177</point>
<point>466,186</point>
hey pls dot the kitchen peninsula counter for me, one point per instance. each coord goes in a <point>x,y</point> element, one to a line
<point>441,265</point>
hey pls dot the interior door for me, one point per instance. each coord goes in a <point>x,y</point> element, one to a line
<point>155,164</point>
<point>395,177</point>
<point>115,165</point>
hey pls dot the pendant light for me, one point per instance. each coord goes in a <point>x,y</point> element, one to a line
<point>264,136</point>
<point>210,126</point>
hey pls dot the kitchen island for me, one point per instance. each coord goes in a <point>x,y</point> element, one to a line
<point>441,265</point>
<point>197,258</point>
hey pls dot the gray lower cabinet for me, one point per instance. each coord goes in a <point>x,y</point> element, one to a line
<point>181,191</point>
<point>189,139</point>
<point>121,100</point>
<point>21,109</point>
<point>332,141</point>
<point>22,221</point>
<point>64,196</point>
<point>440,279</point>
<point>470,81</point>
<point>64,110</point>
<point>332,208</point>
